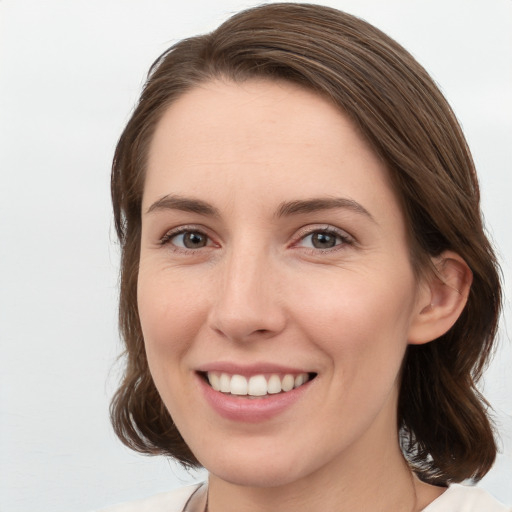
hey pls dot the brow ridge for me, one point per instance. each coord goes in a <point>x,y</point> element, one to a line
<point>186,204</point>
<point>322,203</point>
<point>285,209</point>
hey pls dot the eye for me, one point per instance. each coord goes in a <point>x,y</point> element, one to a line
<point>187,239</point>
<point>324,239</point>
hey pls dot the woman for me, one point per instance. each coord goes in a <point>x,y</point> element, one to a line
<point>307,294</point>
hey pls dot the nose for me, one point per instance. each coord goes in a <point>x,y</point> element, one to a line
<point>248,303</point>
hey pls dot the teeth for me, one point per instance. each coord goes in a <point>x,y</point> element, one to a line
<point>274,385</point>
<point>239,385</point>
<point>225,383</point>
<point>257,385</point>
<point>288,382</point>
<point>214,381</point>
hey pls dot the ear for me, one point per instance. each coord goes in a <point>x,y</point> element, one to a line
<point>442,297</point>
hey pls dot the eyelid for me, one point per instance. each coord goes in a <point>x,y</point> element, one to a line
<point>301,234</point>
<point>193,228</point>
<point>306,231</point>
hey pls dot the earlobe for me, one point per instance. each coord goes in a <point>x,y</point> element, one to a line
<point>442,298</point>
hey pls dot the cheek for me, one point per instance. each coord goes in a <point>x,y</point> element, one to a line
<point>170,314</point>
<point>359,316</point>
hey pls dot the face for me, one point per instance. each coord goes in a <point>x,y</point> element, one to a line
<point>275,290</point>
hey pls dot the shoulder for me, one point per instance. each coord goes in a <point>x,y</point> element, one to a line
<point>172,501</point>
<point>463,498</point>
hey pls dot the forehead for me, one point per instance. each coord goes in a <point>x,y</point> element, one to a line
<point>252,113</point>
<point>262,139</point>
<point>245,114</point>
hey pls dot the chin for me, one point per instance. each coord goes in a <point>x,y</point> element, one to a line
<point>260,467</point>
<point>249,476</point>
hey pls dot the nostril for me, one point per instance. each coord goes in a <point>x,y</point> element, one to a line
<point>245,323</point>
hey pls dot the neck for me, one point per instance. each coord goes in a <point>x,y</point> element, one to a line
<point>381,483</point>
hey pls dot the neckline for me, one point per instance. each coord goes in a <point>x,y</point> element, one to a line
<point>447,492</point>
<point>198,499</point>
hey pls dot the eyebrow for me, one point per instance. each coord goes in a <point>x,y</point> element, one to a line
<point>186,204</point>
<point>319,204</point>
<point>286,209</point>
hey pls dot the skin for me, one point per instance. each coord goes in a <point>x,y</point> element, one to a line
<point>260,291</point>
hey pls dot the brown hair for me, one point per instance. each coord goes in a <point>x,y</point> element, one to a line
<point>445,430</point>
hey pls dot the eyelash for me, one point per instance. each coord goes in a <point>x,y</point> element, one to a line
<point>344,238</point>
<point>167,238</point>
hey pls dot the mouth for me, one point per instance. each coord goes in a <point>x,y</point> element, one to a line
<point>255,386</point>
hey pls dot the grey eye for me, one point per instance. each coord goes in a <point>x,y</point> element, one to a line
<point>321,240</point>
<point>190,240</point>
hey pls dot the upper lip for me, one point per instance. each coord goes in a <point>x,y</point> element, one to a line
<point>251,369</point>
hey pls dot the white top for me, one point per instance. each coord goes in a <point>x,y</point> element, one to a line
<point>457,498</point>
<point>173,501</point>
<point>462,498</point>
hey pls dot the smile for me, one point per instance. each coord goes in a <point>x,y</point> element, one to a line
<point>256,386</point>
<point>252,394</point>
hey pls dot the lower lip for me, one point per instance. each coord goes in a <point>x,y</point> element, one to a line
<point>251,410</point>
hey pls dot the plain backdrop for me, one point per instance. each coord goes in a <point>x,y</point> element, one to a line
<point>70,73</point>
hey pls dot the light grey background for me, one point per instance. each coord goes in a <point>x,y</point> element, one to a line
<point>70,72</point>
